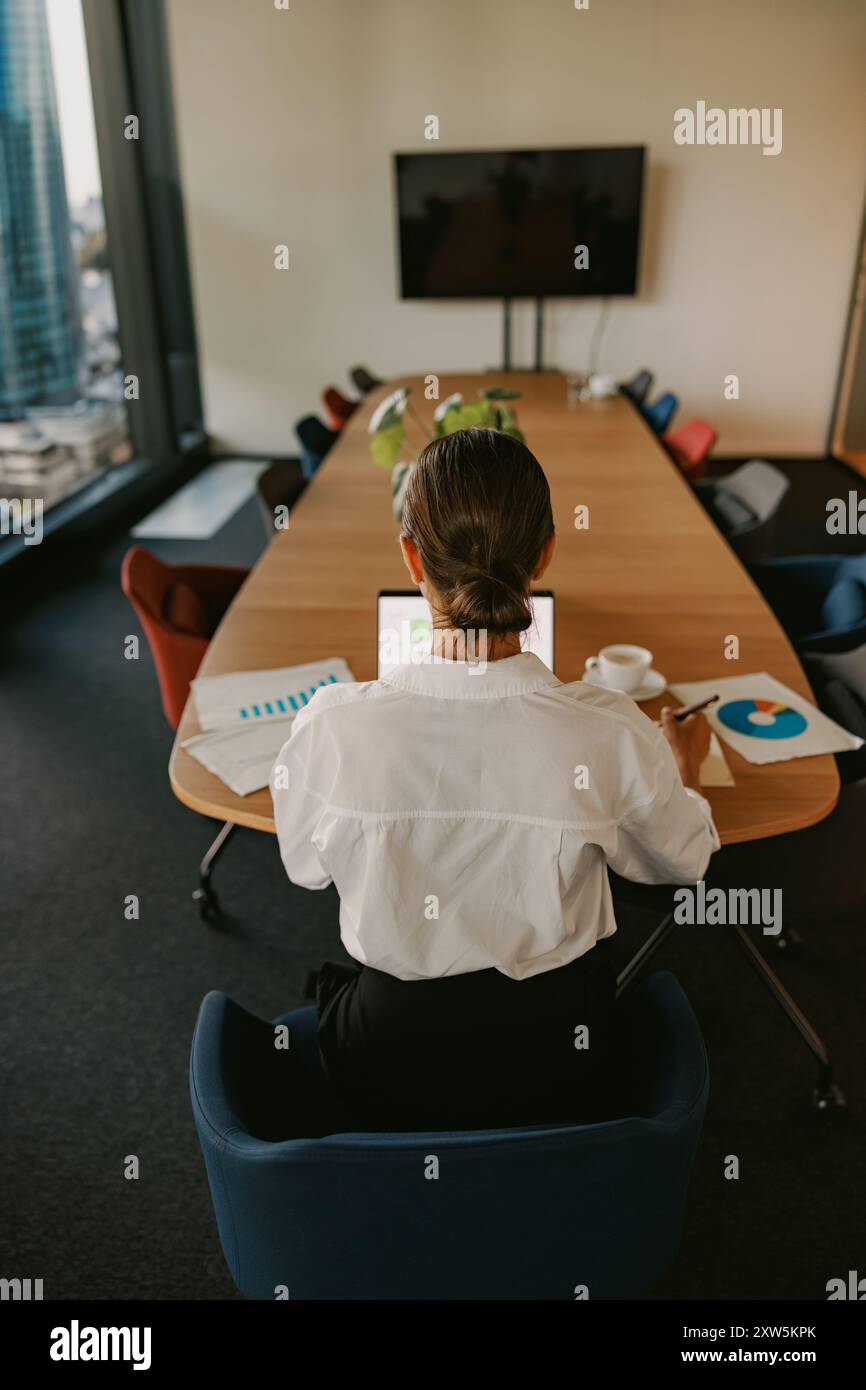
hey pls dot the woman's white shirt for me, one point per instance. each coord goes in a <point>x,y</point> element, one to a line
<point>467,814</point>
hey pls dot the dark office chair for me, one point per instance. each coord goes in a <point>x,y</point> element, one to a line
<point>820,600</point>
<point>661,412</point>
<point>839,682</point>
<point>639,387</point>
<point>315,440</point>
<point>279,486</point>
<point>364,380</point>
<point>180,607</point>
<point>690,446</point>
<point>745,506</point>
<point>351,1215</point>
<point>339,408</point>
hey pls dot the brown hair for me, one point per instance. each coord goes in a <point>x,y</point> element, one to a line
<point>478,508</point>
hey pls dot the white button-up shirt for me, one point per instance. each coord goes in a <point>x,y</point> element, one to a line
<point>467,815</point>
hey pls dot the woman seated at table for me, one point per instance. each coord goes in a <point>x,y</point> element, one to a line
<point>467,809</point>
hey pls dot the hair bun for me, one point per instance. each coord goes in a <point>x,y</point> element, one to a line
<point>495,601</point>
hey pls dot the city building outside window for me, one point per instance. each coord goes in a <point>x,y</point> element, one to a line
<point>62,416</point>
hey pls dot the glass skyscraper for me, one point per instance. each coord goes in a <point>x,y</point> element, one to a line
<point>40,325</point>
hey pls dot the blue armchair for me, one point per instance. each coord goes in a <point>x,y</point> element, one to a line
<point>315,440</point>
<point>513,1213</point>
<point>660,413</point>
<point>820,600</point>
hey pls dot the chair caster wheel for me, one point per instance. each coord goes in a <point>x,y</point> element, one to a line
<point>829,1101</point>
<point>208,906</point>
<point>789,944</point>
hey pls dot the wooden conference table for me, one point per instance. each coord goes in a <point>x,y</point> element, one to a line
<point>650,569</point>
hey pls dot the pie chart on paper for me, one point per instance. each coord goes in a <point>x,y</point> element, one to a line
<point>762,719</point>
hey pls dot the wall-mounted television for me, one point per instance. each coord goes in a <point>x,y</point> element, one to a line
<point>505,223</point>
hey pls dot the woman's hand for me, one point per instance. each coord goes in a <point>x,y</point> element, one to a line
<point>690,742</point>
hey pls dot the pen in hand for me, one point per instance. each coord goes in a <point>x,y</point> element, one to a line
<point>681,714</point>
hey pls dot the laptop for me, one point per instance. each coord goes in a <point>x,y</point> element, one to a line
<point>404,628</point>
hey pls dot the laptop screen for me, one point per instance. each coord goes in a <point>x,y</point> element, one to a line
<point>405,629</point>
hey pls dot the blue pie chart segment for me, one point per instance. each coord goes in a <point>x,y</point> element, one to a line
<point>762,719</point>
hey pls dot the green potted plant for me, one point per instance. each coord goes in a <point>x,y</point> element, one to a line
<point>391,445</point>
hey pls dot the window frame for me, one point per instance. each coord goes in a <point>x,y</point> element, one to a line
<point>130,74</point>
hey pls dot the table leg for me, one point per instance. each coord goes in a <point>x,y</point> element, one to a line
<point>827,1094</point>
<point>204,895</point>
<point>647,950</point>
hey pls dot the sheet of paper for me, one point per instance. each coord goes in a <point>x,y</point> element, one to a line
<point>714,769</point>
<point>766,722</point>
<point>241,757</point>
<point>248,698</point>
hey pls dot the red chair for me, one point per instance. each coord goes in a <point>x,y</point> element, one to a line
<point>690,446</point>
<point>179,607</point>
<point>339,408</point>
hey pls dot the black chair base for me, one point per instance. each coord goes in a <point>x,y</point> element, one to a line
<point>830,1102</point>
<point>828,1098</point>
<point>788,945</point>
<point>204,896</point>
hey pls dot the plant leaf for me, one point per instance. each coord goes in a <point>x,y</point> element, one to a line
<point>472,416</point>
<point>443,407</point>
<point>389,410</point>
<point>386,443</point>
<point>508,423</point>
<point>440,423</point>
<point>393,416</point>
<point>500,393</point>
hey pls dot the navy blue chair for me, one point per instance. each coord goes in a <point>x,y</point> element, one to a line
<point>513,1214</point>
<point>639,387</point>
<point>315,440</point>
<point>820,600</point>
<point>661,412</point>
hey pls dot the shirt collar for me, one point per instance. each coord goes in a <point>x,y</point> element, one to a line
<point>462,680</point>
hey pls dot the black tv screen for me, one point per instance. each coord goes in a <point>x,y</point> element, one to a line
<point>506,222</point>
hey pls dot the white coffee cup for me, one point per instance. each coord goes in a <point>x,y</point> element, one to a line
<point>602,384</point>
<point>621,666</point>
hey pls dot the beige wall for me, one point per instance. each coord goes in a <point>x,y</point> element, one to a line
<point>286,124</point>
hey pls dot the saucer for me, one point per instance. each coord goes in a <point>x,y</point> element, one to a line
<point>653,685</point>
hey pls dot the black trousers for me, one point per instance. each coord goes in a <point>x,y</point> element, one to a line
<point>470,1051</point>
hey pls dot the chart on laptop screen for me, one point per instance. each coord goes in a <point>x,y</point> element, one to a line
<point>405,630</point>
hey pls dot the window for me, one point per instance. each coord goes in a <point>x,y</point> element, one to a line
<point>63,420</point>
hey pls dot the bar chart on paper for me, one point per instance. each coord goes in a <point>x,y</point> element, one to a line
<point>245,698</point>
<point>288,704</point>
